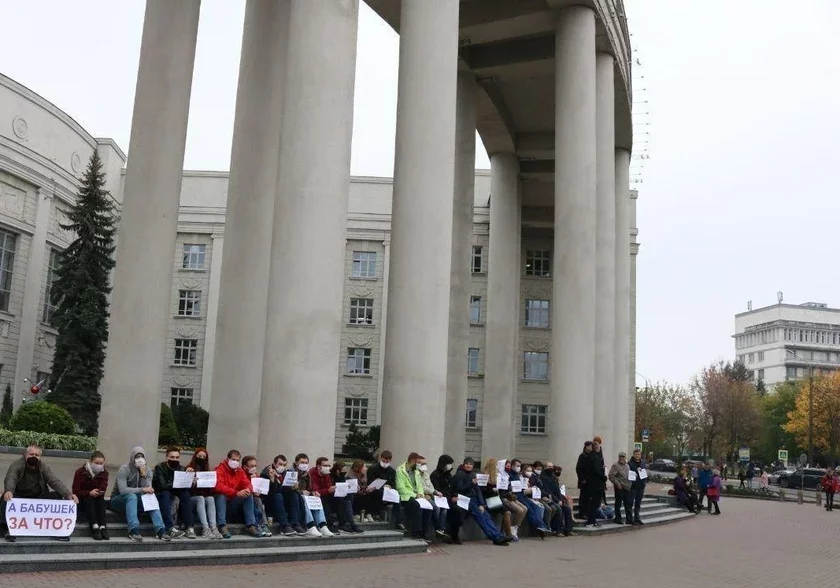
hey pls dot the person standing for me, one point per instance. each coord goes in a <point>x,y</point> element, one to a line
<point>713,492</point>
<point>704,478</point>
<point>620,478</point>
<point>90,483</point>
<point>829,486</point>
<point>638,467</point>
<point>742,475</point>
<point>590,482</point>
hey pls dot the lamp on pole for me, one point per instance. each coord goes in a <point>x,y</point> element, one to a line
<point>810,405</point>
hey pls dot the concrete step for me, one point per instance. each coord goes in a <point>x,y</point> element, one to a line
<point>671,515</point>
<point>120,528</point>
<point>162,557</point>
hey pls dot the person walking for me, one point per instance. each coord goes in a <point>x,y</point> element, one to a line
<point>829,485</point>
<point>742,475</point>
<point>713,492</point>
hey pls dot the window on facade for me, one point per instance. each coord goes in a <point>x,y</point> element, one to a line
<point>536,365</point>
<point>355,411</point>
<point>361,311</point>
<point>760,375</point>
<point>186,351</point>
<point>8,242</point>
<point>472,361</point>
<point>42,379</point>
<point>472,413</point>
<point>358,361</point>
<point>189,303</point>
<point>751,357</point>
<point>533,418</point>
<point>538,263</point>
<point>194,256</point>
<point>180,396</point>
<point>364,264</point>
<point>790,372</point>
<point>760,356</point>
<point>477,263</point>
<point>475,310</point>
<point>52,266</point>
<point>536,314</point>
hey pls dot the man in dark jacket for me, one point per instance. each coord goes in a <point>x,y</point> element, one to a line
<point>704,479</point>
<point>638,481</point>
<point>464,483</point>
<point>385,471</point>
<point>283,502</point>
<point>29,477</point>
<point>163,481</point>
<point>550,478</point>
<point>591,482</point>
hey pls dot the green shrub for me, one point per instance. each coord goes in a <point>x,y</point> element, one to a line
<point>361,444</point>
<point>191,422</point>
<point>43,417</point>
<point>47,440</point>
<point>168,432</point>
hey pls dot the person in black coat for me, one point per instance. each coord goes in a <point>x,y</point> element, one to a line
<point>550,478</point>
<point>441,479</point>
<point>385,471</point>
<point>163,482</point>
<point>464,483</point>
<point>591,480</point>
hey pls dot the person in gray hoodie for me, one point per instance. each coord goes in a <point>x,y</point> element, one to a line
<point>620,478</point>
<point>133,480</point>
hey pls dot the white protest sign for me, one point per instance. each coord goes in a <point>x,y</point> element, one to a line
<point>377,483</point>
<point>515,486</point>
<point>563,490</point>
<point>631,476</point>
<point>150,502</point>
<point>290,479</point>
<point>482,479</point>
<point>352,485</point>
<point>464,502</point>
<point>313,502</point>
<point>536,493</point>
<point>642,474</point>
<point>424,504</point>
<point>391,495</point>
<point>183,479</point>
<point>442,502</point>
<point>502,482</point>
<point>205,479</point>
<point>40,518</point>
<point>341,489</point>
<point>260,486</point>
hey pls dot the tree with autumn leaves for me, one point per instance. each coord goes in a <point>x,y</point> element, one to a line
<point>826,392</point>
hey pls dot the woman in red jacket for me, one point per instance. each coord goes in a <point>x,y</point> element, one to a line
<point>90,483</point>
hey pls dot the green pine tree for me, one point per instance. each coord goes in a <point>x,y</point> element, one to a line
<point>80,293</point>
<point>7,410</point>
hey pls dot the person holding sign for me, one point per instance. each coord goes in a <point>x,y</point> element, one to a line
<point>464,484</point>
<point>441,480</point>
<point>551,514</point>
<point>343,498</point>
<point>233,492</point>
<point>552,492</point>
<point>90,483</point>
<point>438,522</point>
<point>316,522</point>
<point>637,484</point>
<point>358,472</point>
<point>493,500</point>
<point>518,486</point>
<point>29,477</point>
<point>620,478</point>
<point>321,485</point>
<point>203,499</point>
<point>163,481</point>
<point>258,490</point>
<point>282,502</point>
<point>410,488</point>
<point>133,480</point>
<point>383,470</point>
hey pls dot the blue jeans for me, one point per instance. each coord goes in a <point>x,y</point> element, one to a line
<point>491,531</point>
<point>246,505</point>
<point>132,507</point>
<point>535,518</point>
<point>313,517</point>
<point>184,507</point>
<point>439,517</point>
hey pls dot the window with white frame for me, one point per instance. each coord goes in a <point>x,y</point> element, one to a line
<point>8,243</point>
<point>358,361</point>
<point>538,263</point>
<point>751,358</point>
<point>186,351</point>
<point>194,256</point>
<point>477,263</point>
<point>180,396</point>
<point>533,419</point>
<point>760,375</point>
<point>189,303</point>
<point>361,311</point>
<point>52,267</point>
<point>355,411</point>
<point>472,413</point>
<point>536,314</point>
<point>364,264</point>
<point>472,361</point>
<point>536,366</point>
<point>760,356</point>
<point>475,310</point>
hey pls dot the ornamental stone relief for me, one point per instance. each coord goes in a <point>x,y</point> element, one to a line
<point>360,340</point>
<point>537,345</point>
<point>12,200</point>
<point>361,292</point>
<point>20,128</point>
<point>538,290</point>
<point>190,284</point>
<point>186,332</point>
<point>76,162</point>
<point>59,217</point>
<point>46,339</point>
<point>4,328</point>
<point>356,391</point>
<point>182,381</point>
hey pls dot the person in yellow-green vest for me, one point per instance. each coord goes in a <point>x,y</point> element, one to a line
<point>410,488</point>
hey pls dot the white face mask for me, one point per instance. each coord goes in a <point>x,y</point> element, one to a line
<point>252,471</point>
<point>448,467</point>
<point>233,464</point>
<point>385,464</point>
<point>538,472</point>
<point>140,462</point>
<point>527,474</point>
<point>325,470</point>
<point>423,467</point>
<point>96,468</point>
<point>279,469</point>
<point>304,467</point>
<point>517,469</point>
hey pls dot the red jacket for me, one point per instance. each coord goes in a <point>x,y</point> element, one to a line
<point>320,483</point>
<point>83,483</point>
<point>229,482</point>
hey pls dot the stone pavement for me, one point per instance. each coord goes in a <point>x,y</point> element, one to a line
<point>755,544</point>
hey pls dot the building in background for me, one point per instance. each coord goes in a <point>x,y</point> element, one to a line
<point>784,341</point>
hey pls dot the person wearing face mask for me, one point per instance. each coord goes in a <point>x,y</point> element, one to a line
<point>321,484</point>
<point>204,499</point>
<point>441,480</point>
<point>535,515</point>
<point>90,483</point>
<point>410,488</point>
<point>134,479</point>
<point>163,482</point>
<point>249,464</point>
<point>358,472</point>
<point>316,522</point>
<point>552,514</point>
<point>344,504</point>
<point>501,470</point>
<point>551,489</point>
<point>383,470</point>
<point>438,522</point>
<point>282,502</point>
<point>464,483</point>
<point>233,493</point>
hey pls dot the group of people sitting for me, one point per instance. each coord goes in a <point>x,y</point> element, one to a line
<point>690,491</point>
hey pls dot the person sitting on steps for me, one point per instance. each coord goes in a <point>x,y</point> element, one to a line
<point>90,483</point>
<point>133,480</point>
<point>163,481</point>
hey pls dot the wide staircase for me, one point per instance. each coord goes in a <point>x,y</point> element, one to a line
<point>654,511</point>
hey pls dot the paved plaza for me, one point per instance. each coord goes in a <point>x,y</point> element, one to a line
<point>755,544</point>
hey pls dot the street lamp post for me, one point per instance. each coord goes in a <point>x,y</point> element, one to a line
<point>810,405</point>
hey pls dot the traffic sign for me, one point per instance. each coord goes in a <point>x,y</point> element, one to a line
<point>645,435</point>
<point>744,453</point>
<point>637,446</point>
<point>783,455</point>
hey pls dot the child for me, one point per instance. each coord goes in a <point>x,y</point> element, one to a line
<point>713,492</point>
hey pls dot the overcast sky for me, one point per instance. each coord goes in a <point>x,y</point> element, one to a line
<point>739,198</point>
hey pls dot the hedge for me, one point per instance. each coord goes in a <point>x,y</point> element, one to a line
<point>47,440</point>
<point>43,417</point>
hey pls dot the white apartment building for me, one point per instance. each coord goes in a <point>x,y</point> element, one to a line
<point>785,341</point>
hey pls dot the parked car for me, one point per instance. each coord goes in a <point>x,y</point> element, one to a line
<point>774,477</point>
<point>801,478</point>
<point>690,463</point>
<point>663,465</point>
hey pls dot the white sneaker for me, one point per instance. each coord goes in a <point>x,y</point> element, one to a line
<point>368,519</point>
<point>326,532</point>
<point>514,530</point>
<point>314,532</point>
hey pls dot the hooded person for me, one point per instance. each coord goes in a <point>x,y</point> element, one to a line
<point>465,488</point>
<point>441,479</point>
<point>134,479</point>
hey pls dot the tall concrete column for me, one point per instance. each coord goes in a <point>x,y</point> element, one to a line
<point>573,326</point>
<point>303,327</point>
<point>502,359</point>
<point>625,391</point>
<point>383,325</point>
<point>634,253</point>
<point>605,295</point>
<point>212,310</point>
<point>249,222</point>
<point>454,440</point>
<point>146,237</point>
<point>414,400</point>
